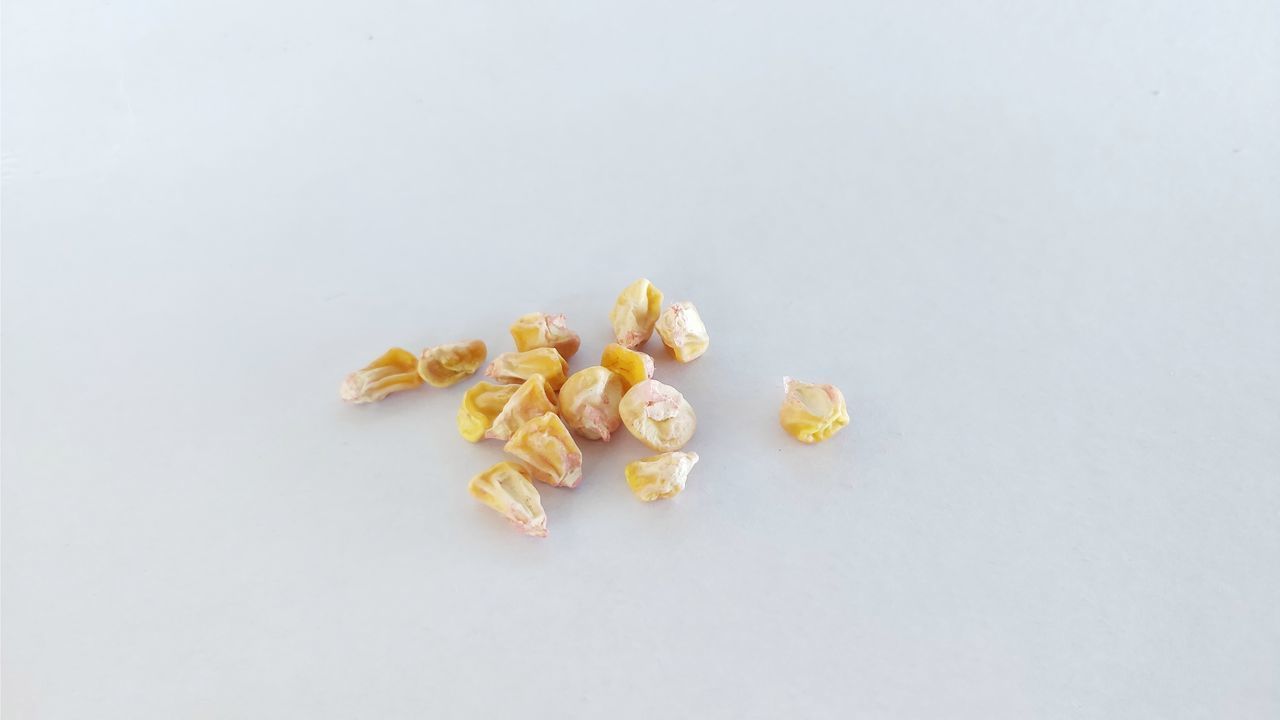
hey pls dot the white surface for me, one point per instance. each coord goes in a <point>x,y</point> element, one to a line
<point>1035,243</point>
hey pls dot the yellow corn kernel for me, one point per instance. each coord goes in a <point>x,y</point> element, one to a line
<point>445,365</point>
<point>682,331</point>
<point>661,476</point>
<point>480,405</point>
<point>505,487</point>
<point>530,400</point>
<point>632,366</point>
<point>658,415</point>
<point>394,370</point>
<point>547,448</point>
<point>635,312</point>
<point>538,330</point>
<point>589,403</point>
<point>812,413</point>
<point>516,367</point>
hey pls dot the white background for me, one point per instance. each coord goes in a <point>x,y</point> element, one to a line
<point>1036,243</point>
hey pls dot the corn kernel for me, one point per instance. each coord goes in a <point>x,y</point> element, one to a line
<point>658,415</point>
<point>517,367</point>
<point>548,450</point>
<point>632,366</point>
<point>530,400</point>
<point>538,330</point>
<point>812,413</point>
<point>681,330</point>
<point>505,487</point>
<point>480,405</point>
<point>394,370</point>
<point>589,403</point>
<point>635,313</point>
<point>445,365</point>
<point>661,476</point>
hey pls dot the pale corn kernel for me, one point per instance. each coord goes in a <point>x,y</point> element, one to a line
<point>533,398</point>
<point>548,450</point>
<point>589,403</point>
<point>635,312</point>
<point>661,476</point>
<point>812,413</point>
<point>658,415</point>
<point>539,330</point>
<point>480,405</point>
<point>516,367</point>
<point>394,370</point>
<point>632,366</point>
<point>445,365</point>
<point>506,488</point>
<point>683,332</point>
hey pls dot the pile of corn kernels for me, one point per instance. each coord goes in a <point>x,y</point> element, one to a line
<point>535,406</point>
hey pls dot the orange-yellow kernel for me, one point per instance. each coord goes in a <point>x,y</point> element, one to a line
<point>635,312</point>
<point>810,412</point>
<point>632,366</point>
<point>506,488</point>
<point>445,365</point>
<point>394,370</point>
<point>547,448</point>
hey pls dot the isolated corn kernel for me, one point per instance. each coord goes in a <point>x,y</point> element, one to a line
<point>661,476</point>
<point>533,398</point>
<point>635,313</point>
<point>632,366</point>
<point>516,367</point>
<point>812,413</point>
<point>681,330</point>
<point>547,448</point>
<point>658,415</point>
<point>539,330</point>
<point>480,405</point>
<point>589,403</point>
<point>394,370</point>
<point>445,365</point>
<point>506,488</point>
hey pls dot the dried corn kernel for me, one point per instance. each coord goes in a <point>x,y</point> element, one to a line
<point>480,405</point>
<point>520,366</point>
<point>394,370</point>
<point>537,330</point>
<point>589,403</point>
<point>632,366</point>
<point>445,365</point>
<point>661,476</point>
<point>530,400</point>
<point>681,330</point>
<point>505,487</point>
<point>812,413</point>
<point>658,415</point>
<point>547,448</point>
<point>635,312</point>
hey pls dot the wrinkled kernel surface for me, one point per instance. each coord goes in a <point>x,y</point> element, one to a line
<point>661,476</point>
<point>635,312</point>
<point>539,330</point>
<point>589,403</point>
<point>516,367</point>
<point>547,448</point>
<point>810,412</point>
<point>480,405</point>
<point>533,398</point>
<point>632,366</point>
<point>682,330</point>
<point>445,365</point>
<point>506,488</point>
<point>658,415</point>
<point>394,370</point>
